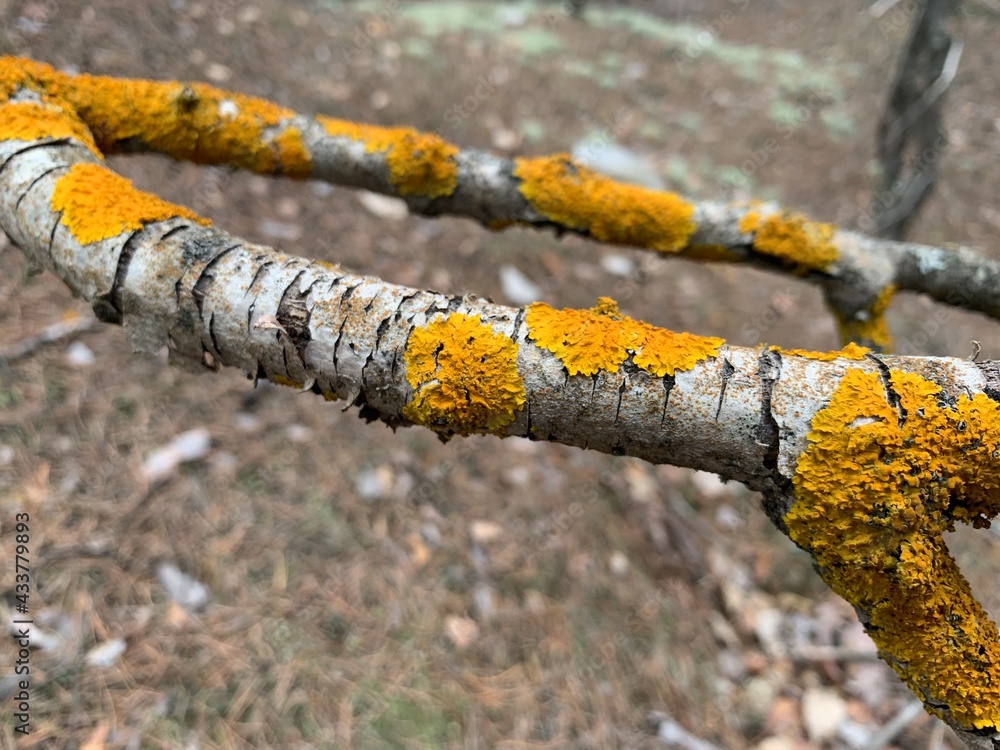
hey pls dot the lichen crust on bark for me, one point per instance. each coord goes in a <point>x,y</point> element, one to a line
<point>802,244</point>
<point>892,464</point>
<point>96,204</point>
<point>419,164</point>
<point>464,376</point>
<point>563,191</point>
<point>588,341</point>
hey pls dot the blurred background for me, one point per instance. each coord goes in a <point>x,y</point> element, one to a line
<point>218,566</point>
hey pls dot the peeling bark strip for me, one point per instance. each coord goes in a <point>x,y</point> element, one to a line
<point>200,123</point>
<point>864,461</point>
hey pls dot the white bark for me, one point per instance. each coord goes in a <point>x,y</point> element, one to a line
<point>745,413</point>
<point>486,189</point>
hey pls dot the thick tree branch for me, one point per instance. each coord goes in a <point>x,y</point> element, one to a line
<point>196,122</point>
<point>864,461</point>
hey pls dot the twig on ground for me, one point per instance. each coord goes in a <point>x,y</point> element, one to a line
<point>49,335</point>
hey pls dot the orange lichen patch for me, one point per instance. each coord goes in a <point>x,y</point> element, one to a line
<point>419,163</point>
<point>588,341</point>
<point>16,72</point>
<point>97,204</point>
<point>851,351</point>
<point>873,328</point>
<point>464,377</point>
<point>293,157</point>
<point>585,341</point>
<point>287,382</point>
<point>750,222</point>
<point>28,121</point>
<point>875,491</point>
<point>572,195</point>
<point>664,352</point>
<point>802,244</point>
<point>194,121</point>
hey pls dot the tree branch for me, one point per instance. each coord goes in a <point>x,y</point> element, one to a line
<point>859,274</point>
<point>864,461</point>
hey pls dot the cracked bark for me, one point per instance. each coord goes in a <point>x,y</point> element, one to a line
<point>486,190</point>
<point>744,413</point>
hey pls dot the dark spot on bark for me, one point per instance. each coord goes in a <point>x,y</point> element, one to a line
<point>727,373</point>
<point>207,277</point>
<point>891,397</point>
<point>204,245</point>
<point>293,315</point>
<point>668,385</point>
<point>768,436</point>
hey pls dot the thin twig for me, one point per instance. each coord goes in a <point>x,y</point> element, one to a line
<point>896,724</point>
<point>832,653</point>
<point>936,741</point>
<point>49,335</point>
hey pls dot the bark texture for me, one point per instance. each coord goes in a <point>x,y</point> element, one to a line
<point>193,121</point>
<point>864,460</point>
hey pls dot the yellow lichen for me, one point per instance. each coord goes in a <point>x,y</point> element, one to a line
<point>576,197</point>
<point>750,222</point>
<point>97,204</point>
<point>800,243</point>
<point>196,122</point>
<point>17,72</point>
<point>851,351</point>
<point>873,328</point>
<point>293,157</point>
<point>28,121</point>
<point>287,382</point>
<point>419,163</point>
<point>464,377</point>
<point>588,341</point>
<point>876,489</point>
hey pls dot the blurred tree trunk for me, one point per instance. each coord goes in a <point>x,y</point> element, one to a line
<point>911,134</point>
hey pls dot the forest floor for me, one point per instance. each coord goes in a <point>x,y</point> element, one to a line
<point>374,589</point>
